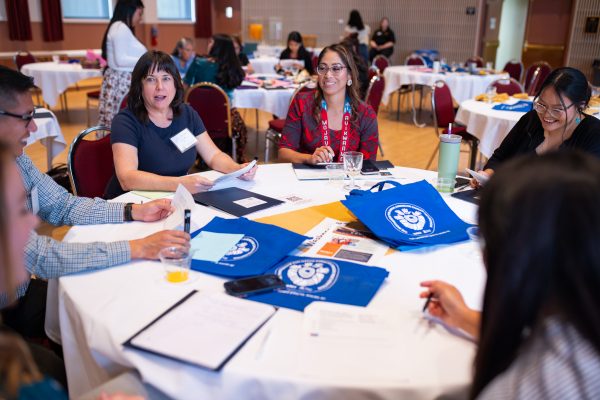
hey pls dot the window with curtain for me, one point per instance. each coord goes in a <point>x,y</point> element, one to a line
<point>178,10</point>
<point>2,10</point>
<point>89,9</point>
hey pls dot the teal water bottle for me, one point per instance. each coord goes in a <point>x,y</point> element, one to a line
<point>448,161</point>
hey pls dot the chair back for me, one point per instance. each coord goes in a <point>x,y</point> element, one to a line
<point>123,104</point>
<point>536,75</point>
<point>381,62</point>
<point>514,69</point>
<point>415,59</point>
<point>509,86</point>
<point>90,162</point>
<point>23,58</point>
<point>375,92</point>
<point>442,105</point>
<point>372,71</point>
<point>475,59</point>
<point>315,62</point>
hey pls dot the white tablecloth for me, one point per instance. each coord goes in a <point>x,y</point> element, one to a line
<point>49,134</point>
<point>264,65</point>
<point>462,85</point>
<point>54,78</point>
<point>100,310</point>
<point>274,101</point>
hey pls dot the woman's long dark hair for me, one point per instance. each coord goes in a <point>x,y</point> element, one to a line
<point>540,220</point>
<point>153,61</point>
<point>295,36</point>
<point>351,91</point>
<point>230,74</point>
<point>123,12</point>
<point>355,20</point>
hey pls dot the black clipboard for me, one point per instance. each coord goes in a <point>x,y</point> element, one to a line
<point>225,200</point>
<point>128,343</point>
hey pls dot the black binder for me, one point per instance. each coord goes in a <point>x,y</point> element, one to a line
<point>231,200</point>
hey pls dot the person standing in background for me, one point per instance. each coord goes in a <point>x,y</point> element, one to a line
<point>356,25</point>
<point>121,50</point>
<point>383,40</point>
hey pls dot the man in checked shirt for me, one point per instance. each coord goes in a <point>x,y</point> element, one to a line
<point>45,257</point>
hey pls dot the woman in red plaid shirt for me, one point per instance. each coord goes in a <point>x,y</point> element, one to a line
<point>323,124</point>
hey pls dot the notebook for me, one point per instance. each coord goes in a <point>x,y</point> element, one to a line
<point>235,201</point>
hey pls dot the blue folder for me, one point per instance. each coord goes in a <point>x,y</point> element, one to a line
<point>320,279</point>
<point>520,106</point>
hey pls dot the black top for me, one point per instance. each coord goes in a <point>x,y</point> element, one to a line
<point>243,59</point>
<point>382,37</point>
<point>528,134</point>
<point>303,54</point>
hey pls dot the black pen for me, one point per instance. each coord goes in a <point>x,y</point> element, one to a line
<point>427,302</point>
<point>187,215</point>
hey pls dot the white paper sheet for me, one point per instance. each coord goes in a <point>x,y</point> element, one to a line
<point>182,200</point>
<point>237,173</point>
<point>205,329</point>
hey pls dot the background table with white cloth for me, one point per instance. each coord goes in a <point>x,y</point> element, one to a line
<point>273,101</point>
<point>100,310</point>
<point>462,85</point>
<point>264,64</point>
<point>54,78</point>
<point>49,134</point>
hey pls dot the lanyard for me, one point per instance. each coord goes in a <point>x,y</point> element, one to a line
<point>345,126</point>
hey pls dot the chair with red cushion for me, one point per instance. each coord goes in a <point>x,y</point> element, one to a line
<point>372,71</point>
<point>475,59</point>
<point>90,162</point>
<point>514,69</point>
<point>381,62</point>
<point>212,104</point>
<point>443,115</point>
<point>412,60</point>
<point>315,62</point>
<point>276,125</point>
<point>123,104</point>
<point>536,75</point>
<point>509,86</point>
<point>373,97</point>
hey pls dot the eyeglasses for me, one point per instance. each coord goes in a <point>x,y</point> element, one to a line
<point>25,117</point>
<point>335,69</point>
<point>554,112</point>
<point>153,81</point>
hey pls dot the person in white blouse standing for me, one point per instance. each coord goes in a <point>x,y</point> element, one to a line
<point>356,26</point>
<point>122,50</point>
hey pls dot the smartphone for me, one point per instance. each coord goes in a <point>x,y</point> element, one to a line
<point>461,181</point>
<point>256,284</point>
<point>369,168</point>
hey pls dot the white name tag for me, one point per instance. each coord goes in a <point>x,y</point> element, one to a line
<point>184,140</point>
<point>249,202</point>
<point>35,200</point>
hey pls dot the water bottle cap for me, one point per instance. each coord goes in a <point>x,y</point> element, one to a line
<point>450,138</point>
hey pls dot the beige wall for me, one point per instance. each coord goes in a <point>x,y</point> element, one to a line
<point>584,47</point>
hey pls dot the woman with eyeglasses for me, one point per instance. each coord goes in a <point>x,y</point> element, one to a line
<point>156,139</point>
<point>321,125</point>
<point>556,122</point>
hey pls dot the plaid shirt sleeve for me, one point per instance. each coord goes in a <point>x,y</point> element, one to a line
<point>59,207</point>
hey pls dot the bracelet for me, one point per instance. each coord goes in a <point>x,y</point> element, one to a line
<point>127,215</point>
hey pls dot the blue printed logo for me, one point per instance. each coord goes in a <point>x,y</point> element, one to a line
<point>309,275</point>
<point>243,249</point>
<point>410,219</point>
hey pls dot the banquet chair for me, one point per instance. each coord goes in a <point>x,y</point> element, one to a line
<point>514,69</point>
<point>123,104</point>
<point>90,162</point>
<point>381,62</point>
<point>373,98</point>
<point>275,130</point>
<point>212,104</point>
<point>509,86</point>
<point>315,61</point>
<point>372,71</point>
<point>536,75</point>
<point>475,59</point>
<point>22,58</point>
<point>443,115</point>
<point>414,60</point>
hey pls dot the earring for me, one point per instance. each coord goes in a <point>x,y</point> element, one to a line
<point>349,82</point>
<point>577,120</point>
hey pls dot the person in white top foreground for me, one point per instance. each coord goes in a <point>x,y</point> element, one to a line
<point>539,330</point>
<point>121,50</point>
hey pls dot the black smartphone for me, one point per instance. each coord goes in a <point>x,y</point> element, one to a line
<point>256,284</point>
<point>369,168</point>
<point>460,181</point>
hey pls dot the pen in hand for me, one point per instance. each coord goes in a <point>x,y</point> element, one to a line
<point>187,216</point>
<point>427,302</point>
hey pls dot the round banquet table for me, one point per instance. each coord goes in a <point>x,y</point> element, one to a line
<point>264,65</point>
<point>54,78</point>
<point>462,85</point>
<point>99,310</point>
<point>48,133</point>
<point>273,101</point>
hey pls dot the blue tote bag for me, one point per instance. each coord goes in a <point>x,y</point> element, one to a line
<point>262,246</point>
<point>320,279</point>
<point>407,216</point>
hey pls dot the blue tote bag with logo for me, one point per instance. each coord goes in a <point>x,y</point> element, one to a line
<point>320,279</point>
<point>408,216</point>
<point>262,246</point>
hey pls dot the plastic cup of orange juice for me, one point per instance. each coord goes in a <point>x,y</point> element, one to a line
<point>177,263</point>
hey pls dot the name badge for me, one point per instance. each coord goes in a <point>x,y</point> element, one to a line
<point>184,140</point>
<point>35,200</point>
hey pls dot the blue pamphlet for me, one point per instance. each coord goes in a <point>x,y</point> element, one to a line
<point>261,247</point>
<point>520,106</point>
<point>321,279</point>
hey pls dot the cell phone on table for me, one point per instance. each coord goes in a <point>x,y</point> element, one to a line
<point>369,168</point>
<point>253,285</point>
<point>461,181</point>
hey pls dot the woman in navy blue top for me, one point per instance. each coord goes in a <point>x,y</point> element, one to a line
<point>156,139</point>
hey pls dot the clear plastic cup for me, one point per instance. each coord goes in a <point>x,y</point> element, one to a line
<point>336,175</point>
<point>445,185</point>
<point>177,262</point>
